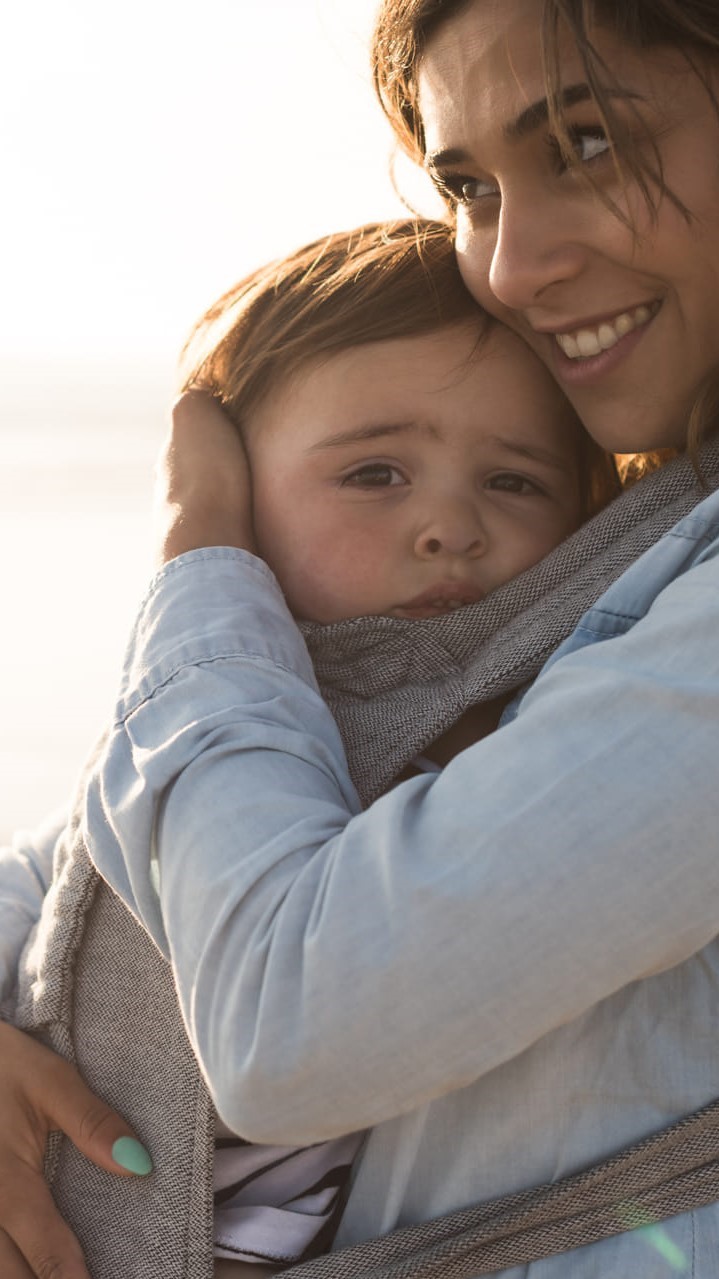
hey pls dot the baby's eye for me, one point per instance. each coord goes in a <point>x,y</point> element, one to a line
<point>373,475</point>
<point>509,482</point>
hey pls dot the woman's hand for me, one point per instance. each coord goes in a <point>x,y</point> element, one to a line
<point>203,494</point>
<point>41,1093</point>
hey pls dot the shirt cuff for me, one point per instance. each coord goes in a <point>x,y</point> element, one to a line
<point>213,603</point>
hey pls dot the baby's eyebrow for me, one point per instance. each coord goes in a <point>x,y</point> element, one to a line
<point>536,453</point>
<point>375,431</point>
<point>381,430</point>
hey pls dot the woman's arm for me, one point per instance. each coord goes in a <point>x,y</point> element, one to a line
<point>336,968</point>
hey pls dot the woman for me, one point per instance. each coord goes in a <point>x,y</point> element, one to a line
<point>548,906</point>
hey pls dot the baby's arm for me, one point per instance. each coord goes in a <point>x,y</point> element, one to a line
<point>25,874</point>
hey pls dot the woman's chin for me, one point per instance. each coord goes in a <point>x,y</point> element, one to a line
<point>641,427</point>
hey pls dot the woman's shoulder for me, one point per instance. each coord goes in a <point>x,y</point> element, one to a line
<point>693,540</point>
<point>701,525</point>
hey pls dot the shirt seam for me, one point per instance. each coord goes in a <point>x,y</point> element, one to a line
<point>202,555</point>
<point>707,533</point>
<point>142,697</point>
<point>611,613</point>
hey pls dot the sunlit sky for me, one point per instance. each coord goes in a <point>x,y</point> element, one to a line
<point>153,151</point>
<point>152,154</point>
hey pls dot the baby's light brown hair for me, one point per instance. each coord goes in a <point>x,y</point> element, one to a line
<point>373,284</point>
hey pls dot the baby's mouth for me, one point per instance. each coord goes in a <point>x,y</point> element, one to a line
<point>583,343</point>
<point>436,601</point>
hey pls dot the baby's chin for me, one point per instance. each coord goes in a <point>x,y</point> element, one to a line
<point>329,612</point>
<point>422,613</point>
<point>331,616</point>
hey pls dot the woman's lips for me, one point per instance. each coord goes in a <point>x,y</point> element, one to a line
<point>579,341</point>
<point>581,366</point>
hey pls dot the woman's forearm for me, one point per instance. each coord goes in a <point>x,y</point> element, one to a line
<point>464,916</point>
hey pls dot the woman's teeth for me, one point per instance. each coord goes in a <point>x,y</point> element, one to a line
<point>587,342</point>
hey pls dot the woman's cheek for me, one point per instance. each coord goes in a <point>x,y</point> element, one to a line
<point>475,254</point>
<point>473,270</point>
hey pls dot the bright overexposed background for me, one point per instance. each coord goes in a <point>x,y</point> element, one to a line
<point>152,153</point>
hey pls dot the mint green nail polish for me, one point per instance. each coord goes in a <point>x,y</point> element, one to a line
<point>129,1154</point>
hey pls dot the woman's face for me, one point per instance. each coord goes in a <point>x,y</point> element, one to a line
<point>625,317</point>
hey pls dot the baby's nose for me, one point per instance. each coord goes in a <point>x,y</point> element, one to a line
<point>454,531</point>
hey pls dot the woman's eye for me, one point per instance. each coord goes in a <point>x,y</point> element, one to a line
<point>587,143</point>
<point>459,189</point>
<point>373,475</point>
<point>508,482</point>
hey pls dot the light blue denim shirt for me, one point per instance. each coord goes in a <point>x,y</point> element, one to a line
<point>507,971</point>
<point>25,874</point>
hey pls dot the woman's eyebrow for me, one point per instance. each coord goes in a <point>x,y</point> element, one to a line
<point>536,115</point>
<point>528,121</point>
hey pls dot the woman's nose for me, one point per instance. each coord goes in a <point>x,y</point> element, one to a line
<point>455,530</point>
<point>533,251</point>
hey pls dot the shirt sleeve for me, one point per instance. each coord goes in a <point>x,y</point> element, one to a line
<point>335,967</point>
<point>25,874</point>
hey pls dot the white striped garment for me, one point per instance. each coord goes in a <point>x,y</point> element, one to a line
<point>280,1203</point>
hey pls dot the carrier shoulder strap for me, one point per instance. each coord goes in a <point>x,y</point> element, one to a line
<point>675,1171</point>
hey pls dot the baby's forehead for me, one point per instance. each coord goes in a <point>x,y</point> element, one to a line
<point>469,380</point>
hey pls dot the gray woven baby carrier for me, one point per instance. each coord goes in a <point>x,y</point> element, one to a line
<point>96,989</point>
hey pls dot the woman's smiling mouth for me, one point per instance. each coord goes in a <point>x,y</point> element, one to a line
<point>587,352</point>
<point>584,342</point>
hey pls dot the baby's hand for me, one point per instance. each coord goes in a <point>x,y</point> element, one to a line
<point>203,495</point>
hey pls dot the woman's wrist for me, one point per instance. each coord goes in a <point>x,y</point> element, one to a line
<point>203,482</point>
<point>188,525</point>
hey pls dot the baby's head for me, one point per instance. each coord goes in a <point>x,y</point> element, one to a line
<point>408,453</point>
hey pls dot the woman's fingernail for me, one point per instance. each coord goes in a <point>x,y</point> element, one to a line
<point>132,1156</point>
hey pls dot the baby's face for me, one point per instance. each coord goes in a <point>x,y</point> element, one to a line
<point>413,476</point>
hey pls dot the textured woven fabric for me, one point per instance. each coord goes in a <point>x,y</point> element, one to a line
<point>98,991</point>
<point>94,986</point>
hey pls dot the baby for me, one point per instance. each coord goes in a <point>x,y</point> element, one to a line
<point>408,456</point>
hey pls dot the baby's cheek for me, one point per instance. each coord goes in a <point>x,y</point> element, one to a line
<point>316,581</point>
